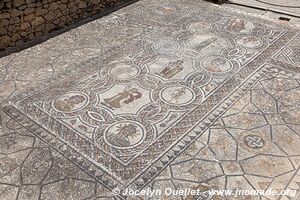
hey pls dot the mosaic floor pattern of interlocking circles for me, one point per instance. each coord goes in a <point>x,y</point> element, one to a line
<point>125,116</point>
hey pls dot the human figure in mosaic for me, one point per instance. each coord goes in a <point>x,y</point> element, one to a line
<point>125,97</point>
<point>172,69</point>
<point>124,136</point>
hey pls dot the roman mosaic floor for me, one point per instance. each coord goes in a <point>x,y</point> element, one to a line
<point>160,94</point>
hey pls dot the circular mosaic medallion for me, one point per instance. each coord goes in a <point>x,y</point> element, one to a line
<point>124,134</point>
<point>124,71</point>
<point>216,64</point>
<point>70,102</point>
<point>165,46</point>
<point>177,95</point>
<point>199,27</point>
<point>248,41</point>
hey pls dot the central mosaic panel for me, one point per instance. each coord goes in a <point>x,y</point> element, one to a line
<point>124,115</point>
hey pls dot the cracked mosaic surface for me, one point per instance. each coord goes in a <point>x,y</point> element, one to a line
<point>31,169</point>
<point>250,146</point>
<point>172,94</point>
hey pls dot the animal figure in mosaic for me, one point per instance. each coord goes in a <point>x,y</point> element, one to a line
<point>123,71</point>
<point>125,97</point>
<point>216,65</point>
<point>236,25</point>
<point>68,104</point>
<point>123,137</point>
<point>248,40</point>
<point>205,44</point>
<point>178,94</point>
<point>165,10</point>
<point>172,69</point>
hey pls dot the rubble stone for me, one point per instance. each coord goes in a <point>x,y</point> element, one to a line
<point>30,19</point>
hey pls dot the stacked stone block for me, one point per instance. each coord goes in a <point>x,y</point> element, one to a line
<point>24,20</point>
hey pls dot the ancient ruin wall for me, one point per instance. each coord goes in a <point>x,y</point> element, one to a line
<point>25,20</point>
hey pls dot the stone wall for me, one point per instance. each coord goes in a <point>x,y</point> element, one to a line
<point>25,20</point>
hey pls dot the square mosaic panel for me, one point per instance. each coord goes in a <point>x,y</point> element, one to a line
<point>124,117</point>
